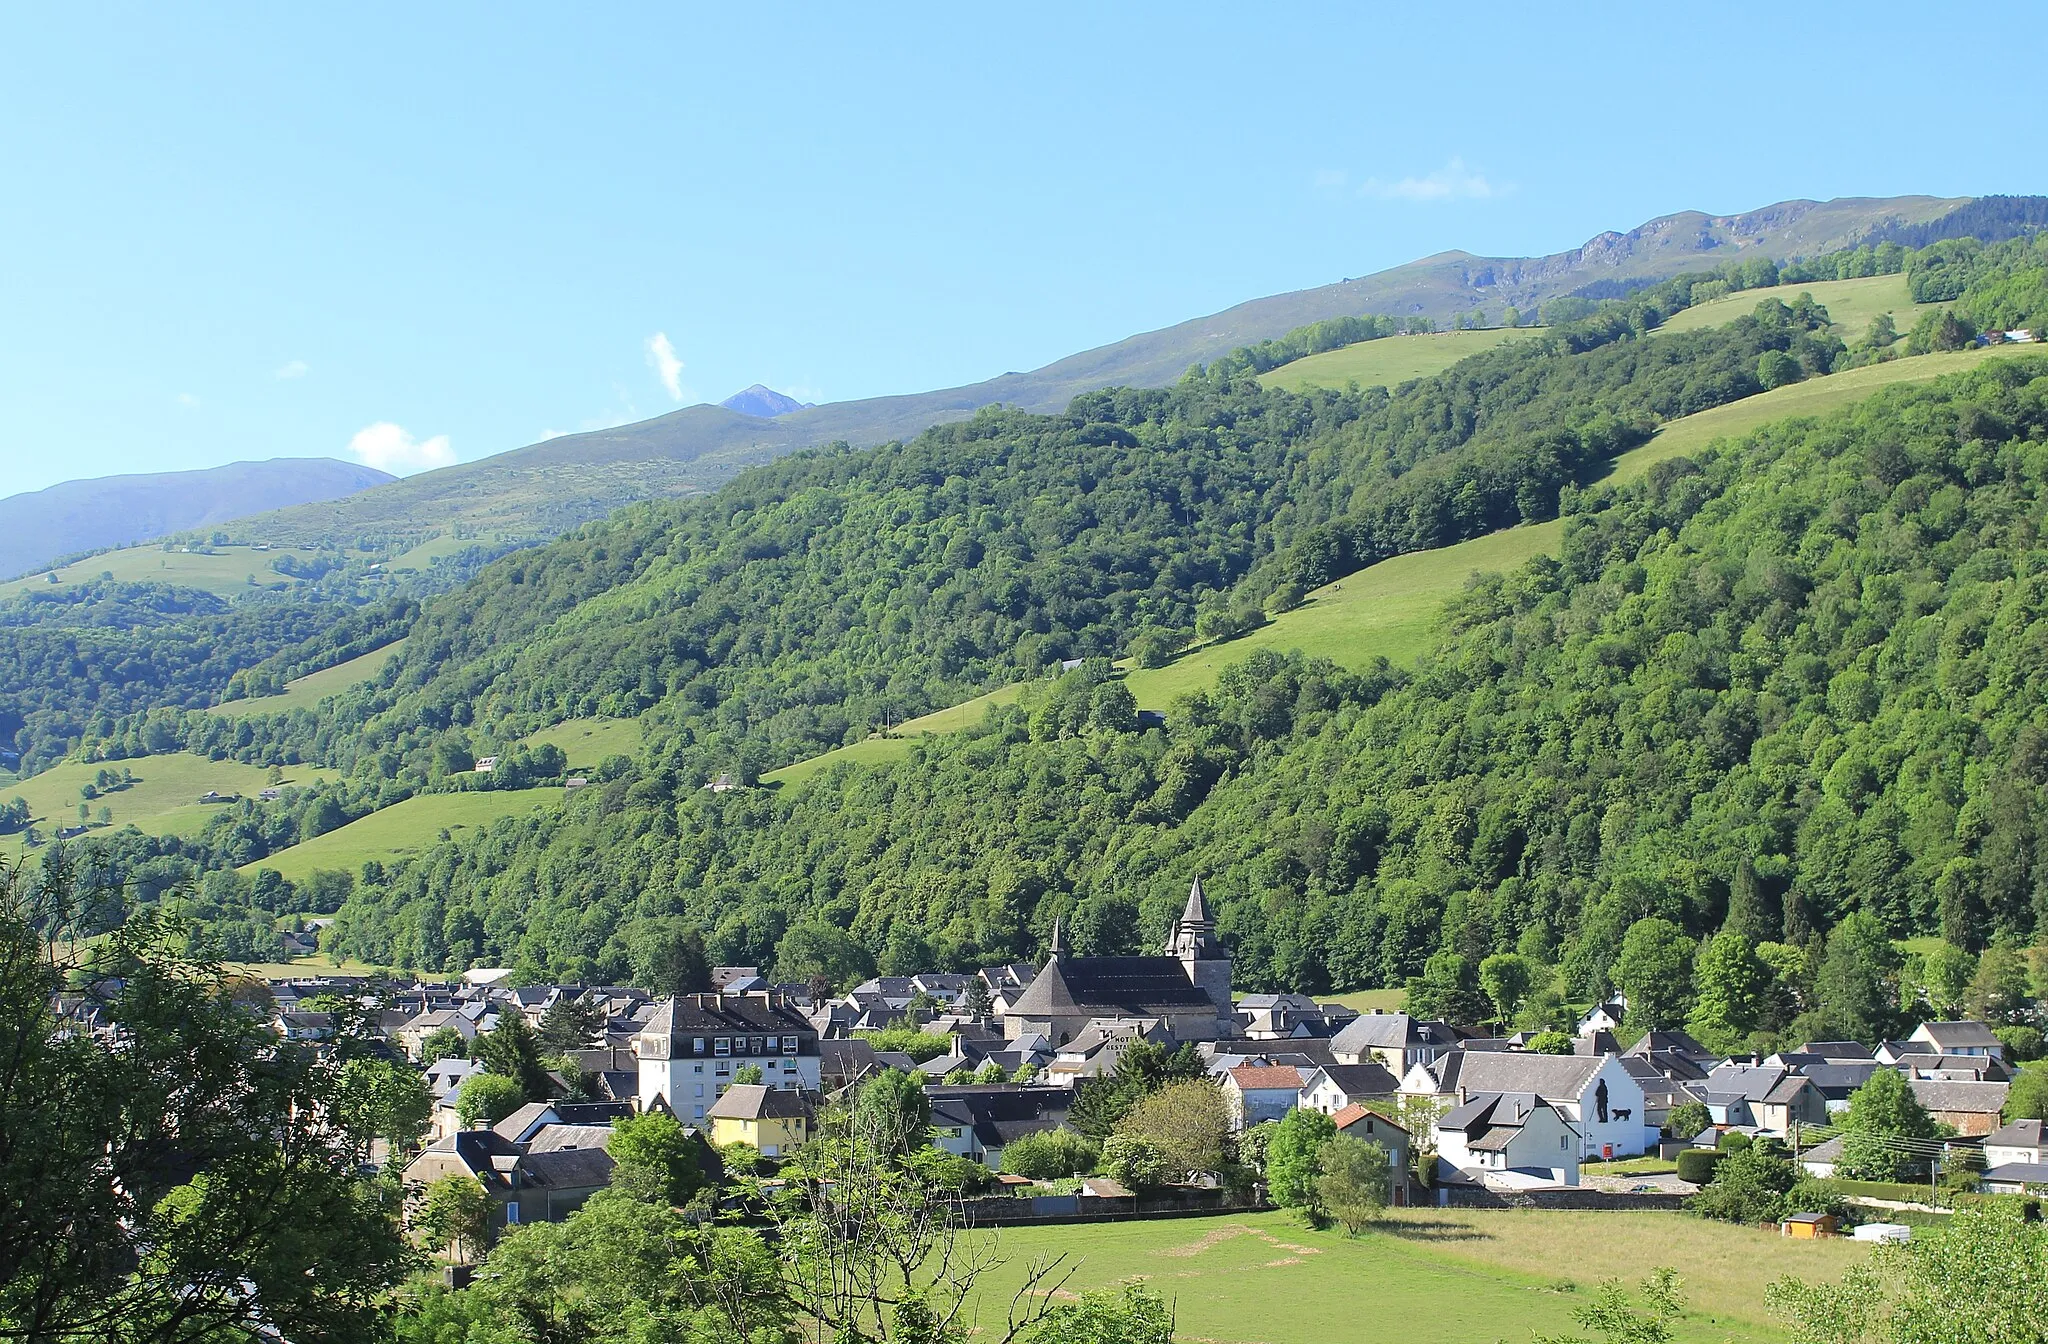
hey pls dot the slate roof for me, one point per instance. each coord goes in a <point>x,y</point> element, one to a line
<point>713,1014</point>
<point>1673,1042</point>
<point>758,1101</point>
<point>1975,1098</point>
<point>2019,1173</point>
<point>1001,1113</point>
<point>1111,987</point>
<point>1390,1031</point>
<point>1361,1080</point>
<point>1744,1082</point>
<point>560,1138</point>
<point>2018,1134</point>
<point>1838,1049</point>
<point>1490,1120</point>
<point>1959,1035</point>
<point>1563,1077</point>
<point>567,1168</point>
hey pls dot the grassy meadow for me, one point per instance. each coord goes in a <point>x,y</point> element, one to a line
<point>164,800</point>
<point>1369,1000</point>
<point>1426,1277</point>
<point>225,573</point>
<point>309,690</point>
<point>1391,360</point>
<point>1852,304</point>
<point>401,830</point>
<point>587,741</point>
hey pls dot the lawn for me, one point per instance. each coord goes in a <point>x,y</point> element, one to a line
<point>1390,361</point>
<point>226,573</point>
<point>401,830</point>
<point>309,690</point>
<point>588,741</point>
<point>1851,304</point>
<point>1430,1277</point>
<point>1369,1000</point>
<point>164,800</point>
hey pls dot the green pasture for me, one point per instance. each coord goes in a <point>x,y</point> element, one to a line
<point>587,741</point>
<point>1389,361</point>
<point>164,800</point>
<point>309,690</point>
<point>226,572</point>
<point>1852,304</point>
<point>401,830</point>
<point>1427,1277</point>
<point>1369,1000</point>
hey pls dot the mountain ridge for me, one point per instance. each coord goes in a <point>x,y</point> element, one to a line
<point>88,514</point>
<point>697,447</point>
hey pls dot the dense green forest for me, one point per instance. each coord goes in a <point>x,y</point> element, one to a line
<point>1600,739</point>
<point>1797,681</point>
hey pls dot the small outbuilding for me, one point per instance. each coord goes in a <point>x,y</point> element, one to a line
<point>1810,1226</point>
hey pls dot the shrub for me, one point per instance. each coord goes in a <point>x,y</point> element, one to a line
<point>1696,1165</point>
<point>1135,1163</point>
<point>1550,1043</point>
<point>1051,1155</point>
<point>1748,1187</point>
<point>1689,1120</point>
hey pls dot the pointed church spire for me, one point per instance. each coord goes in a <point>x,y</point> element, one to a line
<point>1198,907</point>
<point>1059,942</point>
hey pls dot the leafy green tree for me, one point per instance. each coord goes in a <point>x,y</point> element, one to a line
<point>511,1050</point>
<point>1750,1185</point>
<point>1945,973</point>
<point>1292,1157</point>
<point>1856,982</point>
<point>1188,1122</point>
<point>453,1213</point>
<point>2027,1097</point>
<point>891,1113</point>
<point>1506,977</point>
<point>1138,1164</point>
<point>1354,1182</point>
<point>1880,1128</point>
<point>1732,989</point>
<point>668,957</point>
<point>382,1100</point>
<point>1688,1120</point>
<point>1130,1314</point>
<point>1551,1043</point>
<point>1655,972</point>
<point>1981,1277</point>
<point>1448,990</point>
<point>186,1176</point>
<point>1999,991</point>
<point>816,948</point>
<point>1775,368</point>
<point>443,1043</point>
<point>1050,1155</point>
<point>660,1146</point>
<point>991,1071</point>
<point>568,1024</point>
<point>486,1098</point>
<point>748,1073</point>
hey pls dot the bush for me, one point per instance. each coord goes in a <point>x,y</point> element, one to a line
<point>1550,1043</point>
<point>1696,1165</point>
<point>1813,1195</point>
<point>1137,1164</point>
<point>1748,1187</point>
<point>1688,1120</point>
<point>1051,1155</point>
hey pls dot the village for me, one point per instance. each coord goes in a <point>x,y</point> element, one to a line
<point>1004,1056</point>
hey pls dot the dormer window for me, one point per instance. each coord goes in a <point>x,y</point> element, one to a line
<point>722,1046</point>
<point>698,1046</point>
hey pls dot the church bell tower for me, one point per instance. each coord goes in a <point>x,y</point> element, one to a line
<point>1194,943</point>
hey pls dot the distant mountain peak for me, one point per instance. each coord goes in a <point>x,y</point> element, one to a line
<point>763,402</point>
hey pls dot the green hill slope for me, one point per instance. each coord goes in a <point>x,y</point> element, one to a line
<point>1853,304</point>
<point>1390,361</point>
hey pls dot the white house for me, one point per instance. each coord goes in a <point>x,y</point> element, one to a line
<point>1261,1092</point>
<point>1596,1095</point>
<point>1606,1016</point>
<point>2020,1141</point>
<point>1959,1038</point>
<point>1395,1041</point>
<point>692,1047</point>
<point>1508,1141</point>
<point>1333,1087</point>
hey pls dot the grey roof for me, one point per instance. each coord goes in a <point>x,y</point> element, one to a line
<point>1549,1076</point>
<point>1390,1031</point>
<point>1745,1082</point>
<point>1110,987</point>
<point>1838,1049</point>
<point>1976,1098</point>
<point>757,1101</point>
<point>1001,1113</point>
<point>2018,1134</point>
<point>712,1014</point>
<point>1831,1151</point>
<point>567,1168</point>
<point>560,1138</point>
<point>1489,1120</point>
<point>1362,1080</point>
<point>2019,1173</point>
<point>1959,1035</point>
<point>1837,1081</point>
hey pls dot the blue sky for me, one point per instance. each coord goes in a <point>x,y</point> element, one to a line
<point>438,232</point>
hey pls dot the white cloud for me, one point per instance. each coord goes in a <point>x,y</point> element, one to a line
<point>294,369</point>
<point>187,400</point>
<point>1452,182</point>
<point>662,356</point>
<point>388,447</point>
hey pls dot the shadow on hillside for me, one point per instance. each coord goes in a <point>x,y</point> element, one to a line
<point>1430,1232</point>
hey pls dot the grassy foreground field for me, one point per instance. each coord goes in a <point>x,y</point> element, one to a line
<point>1390,361</point>
<point>401,830</point>
<point>1430,1277</point>
<point>1851,304</point>
<point>309,690</point>
<point>164,800</point>
<point>226,573</point>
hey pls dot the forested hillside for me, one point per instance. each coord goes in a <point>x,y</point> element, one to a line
<point>1746,686</point>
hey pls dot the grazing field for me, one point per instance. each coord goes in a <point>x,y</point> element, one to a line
<point>164,800</point>
<point>1369,1000</point>
<point>587,741</point>
<point>1851,304</point>
<point>951,719</point>
<point>1389,361</point>
<point>309,690</point>
<point>401,830</point>
<point>226,573</point>
<point>1428,1277</point>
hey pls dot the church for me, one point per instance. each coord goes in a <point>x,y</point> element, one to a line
<point>1186,989</point>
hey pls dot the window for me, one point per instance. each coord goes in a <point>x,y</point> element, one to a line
<point>722,1046</point>
<point>789,1045</point>
<point>697,1068</point>
<point>724,1069</point>
<point>700,1089</point>
<point>698,1045</point>
<point>1563,1143</point>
